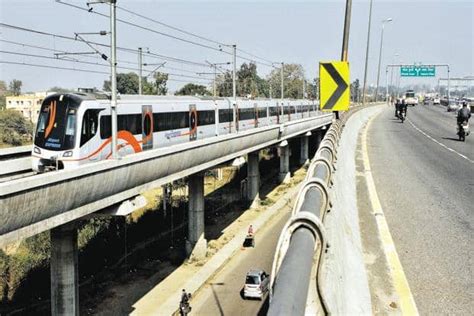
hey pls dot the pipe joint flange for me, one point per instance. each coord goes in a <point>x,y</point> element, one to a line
<point>328,148</point>
<point>322,160</point>
<point>308,184</point>
<point>301,219</point>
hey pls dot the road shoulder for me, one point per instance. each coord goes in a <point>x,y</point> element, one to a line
<point>390,292</point>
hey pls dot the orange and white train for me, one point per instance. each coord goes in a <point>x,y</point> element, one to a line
<point>75,128</point>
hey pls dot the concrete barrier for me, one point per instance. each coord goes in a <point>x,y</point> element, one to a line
<point>345,282</point>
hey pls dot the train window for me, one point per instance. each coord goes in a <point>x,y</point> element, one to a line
<point>90,121</point>
<point>206,118</point>
<point>262,112</point>
<point>131,123</point>
<point>70,131</point>
<point>170,121</point>
<point>246,114</point>
<point>286,110</point>
<point>226,115</point>
<point>274,111</point>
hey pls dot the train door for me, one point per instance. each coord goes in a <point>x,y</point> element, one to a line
<point>255,106</point>
<point>193,126</point>
<point>147,127</point>
<point>236,116</point>
<point>278,113</point>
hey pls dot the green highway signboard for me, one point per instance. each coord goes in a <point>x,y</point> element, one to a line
<point>417,71</point>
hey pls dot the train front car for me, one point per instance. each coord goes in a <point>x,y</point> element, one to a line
<point>56,132</point>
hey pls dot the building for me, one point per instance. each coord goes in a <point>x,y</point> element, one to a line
<point>27,104</point>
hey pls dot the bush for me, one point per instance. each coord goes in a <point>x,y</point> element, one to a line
<point>14,129</point>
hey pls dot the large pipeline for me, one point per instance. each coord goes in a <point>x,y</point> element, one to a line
<point>303,236</point>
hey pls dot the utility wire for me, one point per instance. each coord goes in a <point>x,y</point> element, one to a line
<point>141,27</point>
<point>129,50</point>
<point>91,63</point>
<point>254,56</point>
<point>165,34</point>
<point>78,69</point>
<point>171,27</point>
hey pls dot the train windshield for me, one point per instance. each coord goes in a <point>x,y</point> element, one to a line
<point>56,129</point>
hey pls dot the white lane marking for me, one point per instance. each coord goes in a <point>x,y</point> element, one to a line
<point>439,143</point>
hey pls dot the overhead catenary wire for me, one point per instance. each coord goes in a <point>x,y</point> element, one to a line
<point>141,26</point>
<point>125,49</point>
<point>269,64</point>
<point>76,69</point>
<point>171,27</point>
<point>92,63</point>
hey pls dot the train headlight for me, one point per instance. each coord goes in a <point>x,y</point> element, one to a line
<point>67,154</point>
<point>36,150</point>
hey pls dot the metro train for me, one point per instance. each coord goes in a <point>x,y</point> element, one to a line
<point>75,128</point>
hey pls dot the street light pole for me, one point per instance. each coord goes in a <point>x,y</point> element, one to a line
<point>140,65</point>
<point>234,88</point>
<point>113,79</point>
<point>282,86</point>
<point>367,54</point>
<point>380,57</point>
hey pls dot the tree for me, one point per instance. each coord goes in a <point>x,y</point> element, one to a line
<point>3,88</point>
<point>355,91</point>
<point>158,87</point>
<point>224,84</point>
<point>193,89</point>
<point>59,90</point>
<point>127,83</point>
<point>293,76</point>
<point>248,83</point>
<point>15,86</point>
<point>312,89</point>
<point>14,128</point>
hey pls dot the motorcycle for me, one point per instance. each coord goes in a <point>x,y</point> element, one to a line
<point>184,307</point>
<point>463,130</point>
<point>402,115</point>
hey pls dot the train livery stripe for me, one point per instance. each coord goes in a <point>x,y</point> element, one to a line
<point>124,135</point>
<point>52,118</point>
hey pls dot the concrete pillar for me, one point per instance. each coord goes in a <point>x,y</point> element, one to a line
<point>64,271</point>
<point>196,245</point>
<point>284,175</point>
<point>164,197</point>
<point>319,138</point>
<point>253,179</point>
<point>304,149</point>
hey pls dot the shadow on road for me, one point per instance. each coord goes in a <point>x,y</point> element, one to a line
<point>451,138</point>
<point>221,311</point>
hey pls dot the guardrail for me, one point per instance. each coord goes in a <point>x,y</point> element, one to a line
<point>15,152</point>
<point>303,236</point>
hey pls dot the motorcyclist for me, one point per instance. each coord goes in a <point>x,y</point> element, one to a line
<point>397,106</point>
<point>464,114</point>
<point>402,108</point>
<point>184,306</point>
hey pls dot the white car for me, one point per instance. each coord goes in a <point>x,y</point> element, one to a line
<point>257,283</point>
<point>436,101</point>
<point>453,106</point>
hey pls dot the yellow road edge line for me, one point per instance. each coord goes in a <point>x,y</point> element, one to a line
<point>407,302</point>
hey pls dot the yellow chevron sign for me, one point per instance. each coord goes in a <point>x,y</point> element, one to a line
<point>334,86</point>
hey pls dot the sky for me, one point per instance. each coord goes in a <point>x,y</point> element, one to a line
<point>303,32</point>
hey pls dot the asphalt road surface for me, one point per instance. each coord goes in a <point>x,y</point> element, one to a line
<point>222,294</point>
<point>424,178</point>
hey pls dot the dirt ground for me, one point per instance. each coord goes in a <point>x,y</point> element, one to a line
<point>116,294</point>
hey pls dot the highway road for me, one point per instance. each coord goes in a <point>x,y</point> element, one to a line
<point>425,181</point>
<point>222,294</point>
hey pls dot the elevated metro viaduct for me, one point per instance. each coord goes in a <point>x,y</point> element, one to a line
<point>55,201</point>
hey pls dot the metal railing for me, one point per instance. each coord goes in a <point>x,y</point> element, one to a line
<point>303,236</point>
